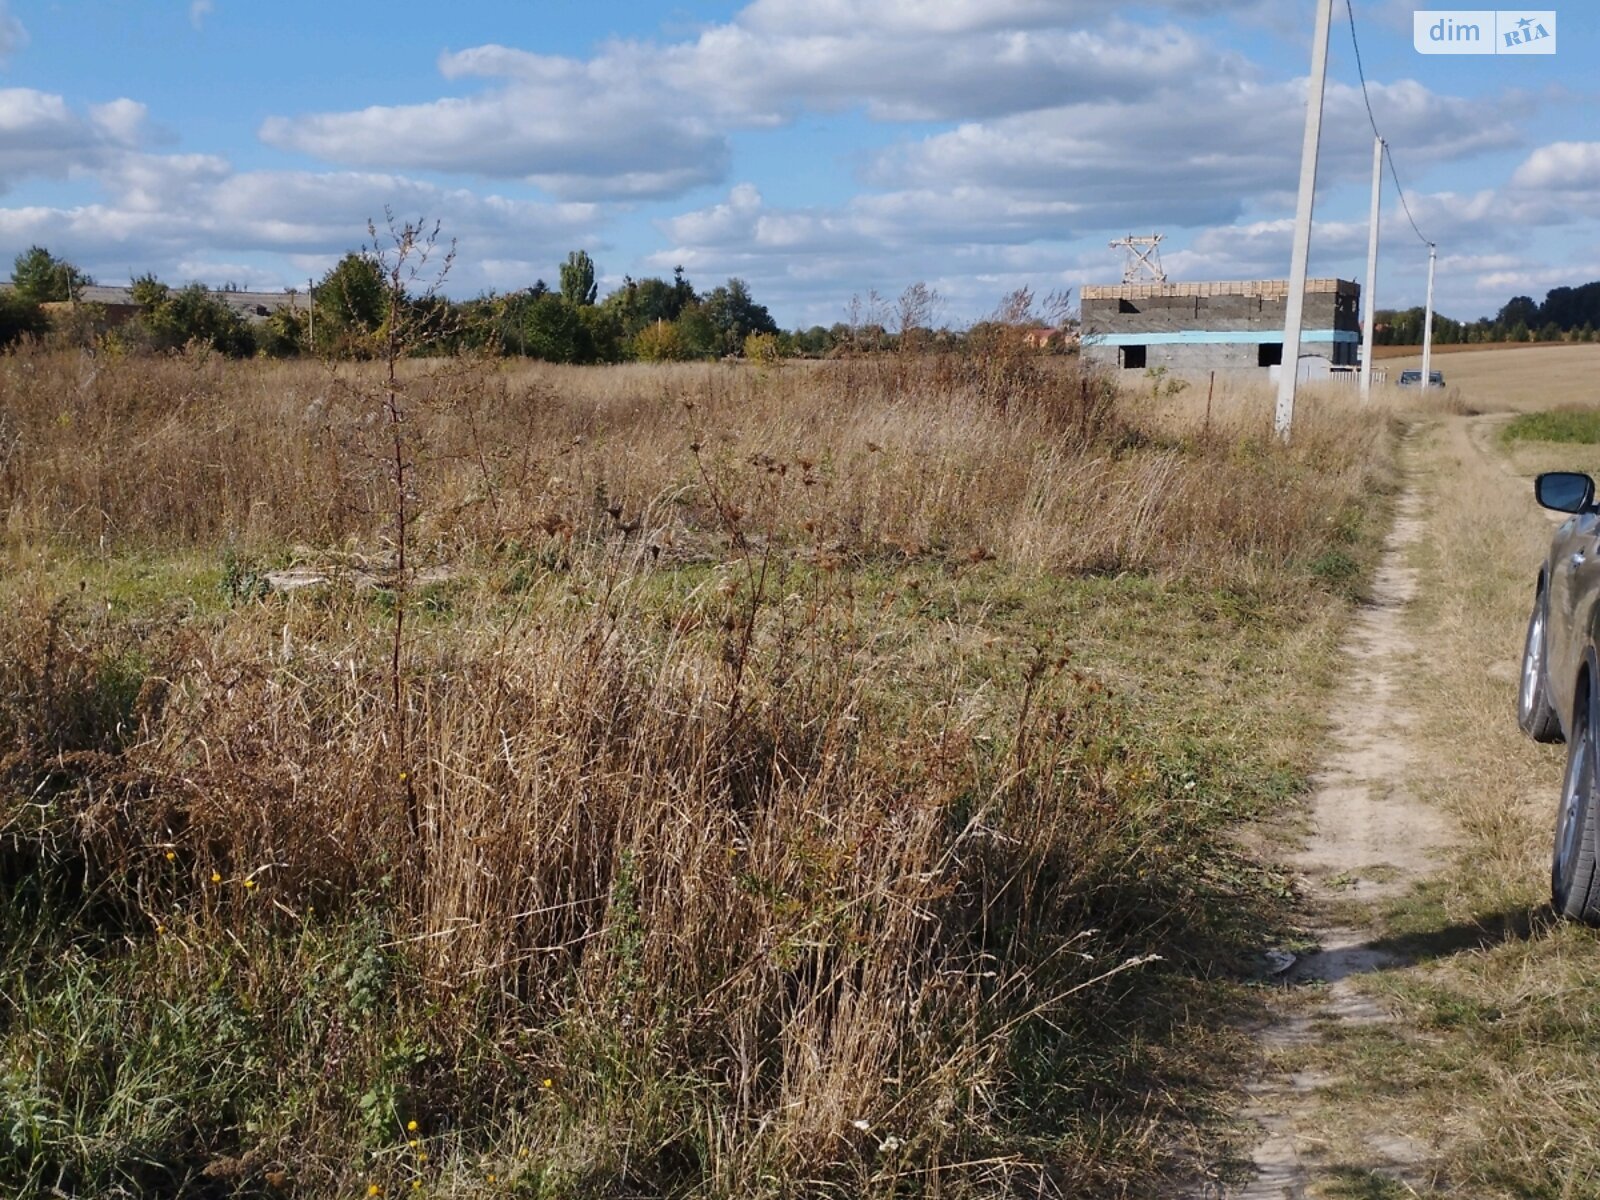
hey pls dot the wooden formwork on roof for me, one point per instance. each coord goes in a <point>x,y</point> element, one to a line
<point>1266,289</point>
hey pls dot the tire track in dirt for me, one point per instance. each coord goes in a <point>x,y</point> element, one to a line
<point>1369,841</point>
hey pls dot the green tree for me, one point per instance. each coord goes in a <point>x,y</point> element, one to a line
<point>352,305</point>
<point>641,303</point>
<point>554,330</point>
<point>578,287</point>
<point>735,315</point>
<point>1519,310</point>
<point>41,277</point>
<point>173,319</point>
<point>606,338</point>
<point>813,342</point>
<point>696,334</point>
<point>683,290</point>
<point>149,292</point>
<point>283,334</point>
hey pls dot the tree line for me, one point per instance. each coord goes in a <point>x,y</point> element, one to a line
<point>1568,314</point>
<point>348,313</point>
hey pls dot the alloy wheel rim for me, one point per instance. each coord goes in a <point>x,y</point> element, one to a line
<point>1571,804</point>
<point>1532,664</point>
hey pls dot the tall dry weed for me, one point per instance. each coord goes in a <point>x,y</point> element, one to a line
<point>904,457</point>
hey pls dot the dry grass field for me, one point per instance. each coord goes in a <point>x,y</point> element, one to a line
<point>699,781</point>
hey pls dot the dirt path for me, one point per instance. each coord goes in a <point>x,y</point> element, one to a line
<point>1369,841</point>
<point>1443,1040</point>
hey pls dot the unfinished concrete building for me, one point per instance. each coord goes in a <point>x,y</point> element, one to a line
<point>1193,327</point>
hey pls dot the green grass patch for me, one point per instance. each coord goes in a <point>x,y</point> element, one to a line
<point>1577,426</point>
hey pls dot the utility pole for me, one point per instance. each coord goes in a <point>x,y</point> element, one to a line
<point>1289,372</point>
<point>1369,328</point>
<point>1427,325</point>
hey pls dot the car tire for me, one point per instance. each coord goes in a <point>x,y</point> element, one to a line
<point>1535,714</point>
<point>1574,880</point>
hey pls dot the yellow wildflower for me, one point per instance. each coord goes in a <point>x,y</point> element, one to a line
<point>411,1126</point>
<point>215,877</point>
<point>171,854</point>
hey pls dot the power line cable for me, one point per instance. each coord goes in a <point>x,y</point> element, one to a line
<point>1388,152</point>
<point>1400,187</point>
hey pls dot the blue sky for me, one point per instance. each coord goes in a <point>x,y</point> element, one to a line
<point>817,148</point>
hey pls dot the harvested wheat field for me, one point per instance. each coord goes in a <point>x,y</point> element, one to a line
<point>679,781</point>
<point>1520,378</point>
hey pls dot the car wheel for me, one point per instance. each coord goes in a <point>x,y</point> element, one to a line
<point>1535,713</point>
<point>1574,886</point>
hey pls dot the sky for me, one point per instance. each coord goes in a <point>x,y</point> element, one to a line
<point>818,149</point>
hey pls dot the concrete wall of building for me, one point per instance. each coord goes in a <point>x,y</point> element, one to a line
<point>1221,314</point>
<point>1180,359</point>
<point>1187,313</point>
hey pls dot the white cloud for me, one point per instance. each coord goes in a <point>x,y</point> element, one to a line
<point>1561,167</point>
<point>40,134</point>
<point>199,10</point>
<point>169,213</point>
<point>13,36</point>
<point>901,17</point>
<point>1168,161</point>
<point>1058,98</point>
<point>808,261</point>
<point>579,130</point>
<point>929,74</point>
<point>655,117</point>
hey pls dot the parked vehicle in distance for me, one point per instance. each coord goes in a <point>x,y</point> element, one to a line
<point>1414,379</point>
<point>1559,696</point>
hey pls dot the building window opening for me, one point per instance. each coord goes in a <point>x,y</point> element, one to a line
<point>1133,358</point>
<point>1127,306</point>
<point>1269,354</point>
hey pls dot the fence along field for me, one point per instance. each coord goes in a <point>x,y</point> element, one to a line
<point>802,781</point>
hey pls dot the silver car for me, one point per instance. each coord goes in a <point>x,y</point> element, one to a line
<point>1559,697</point>
<point>1414,379</point>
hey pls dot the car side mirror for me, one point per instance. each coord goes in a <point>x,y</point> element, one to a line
<point>1564,491</point>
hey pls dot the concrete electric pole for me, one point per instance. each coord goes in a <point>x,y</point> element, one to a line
<point>1368,328</point>
<point>1427,325</point>
<point>1289,372</point>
